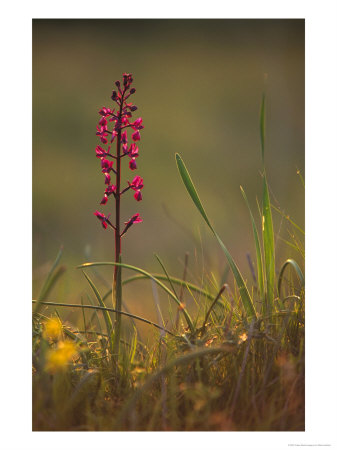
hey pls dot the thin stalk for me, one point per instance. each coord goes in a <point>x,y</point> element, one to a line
<point>117,283</point>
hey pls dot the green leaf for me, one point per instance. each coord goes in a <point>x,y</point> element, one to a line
<point>190,188</point>
<point>245,296</point>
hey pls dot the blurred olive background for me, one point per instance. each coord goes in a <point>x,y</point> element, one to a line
<point>199,85</point>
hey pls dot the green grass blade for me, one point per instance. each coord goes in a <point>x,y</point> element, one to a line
<point>50,280</point>
<point>167,275</point>
<point>106,315</point>
<point>262,126</point>
<point>296,267</point>
<point>245,296</point>
<point>285,216</point>
<point>268,246</point>
<point>257,247</point>
<point>267,224</point>
<point>178,281</point>
<point>148,275</point>
<point>95,313</point>
<point>133,346</point>
<point>187,180</point>
<point>100,308</point>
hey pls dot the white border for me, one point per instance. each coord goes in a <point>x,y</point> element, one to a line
<point>321,100</point>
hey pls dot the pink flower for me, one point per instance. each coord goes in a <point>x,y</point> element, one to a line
<point>105,112</point>
<point>100,152</point>
<point>106,169</point>
<point>137,183</point>
<point>132,164</point>
<point>138,196</point>
<point>107,178</point>
<point>104,199</point>
<point>134,219</point>
<point>137,124</point>
<point>104,219</point>
<point>136,136</point>
<point>106,165</point>
<point>127,80</point>
<point>124,137</point>
<point>111,189</point>
<point>103,122</point>
<point>101,131</point>
<point>133,151</point>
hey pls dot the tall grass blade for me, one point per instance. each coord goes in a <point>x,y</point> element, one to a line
<point>262,126</point>
<point>133,346</point>
<point>148,275</point>
<point>50,280</point>
<point>268,246</point>
<point>245,296</point>
<point>260,278</point>
<point>267,224</point>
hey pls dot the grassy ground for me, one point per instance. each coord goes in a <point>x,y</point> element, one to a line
<point>226,376</point>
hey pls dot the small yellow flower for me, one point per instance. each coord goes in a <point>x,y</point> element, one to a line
<point>243,337</point>
<point>52,329</point>
<point>58,358</point>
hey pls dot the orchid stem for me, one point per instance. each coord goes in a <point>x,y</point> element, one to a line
<point>117,283</point>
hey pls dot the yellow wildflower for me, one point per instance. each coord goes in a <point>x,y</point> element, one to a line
<point>243,337</point>
<point>52,329</point>
<point>58,358</point>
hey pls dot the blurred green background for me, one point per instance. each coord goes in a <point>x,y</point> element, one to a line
<point>199,85</point>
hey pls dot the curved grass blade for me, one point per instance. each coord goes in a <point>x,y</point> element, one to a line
<point>100,308</point>
<point>148,275</point>
<point>296,267</point>
<point>245,296</point>
<point>178,281</point>
<point>260,278</point>
<point>106,315</point>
